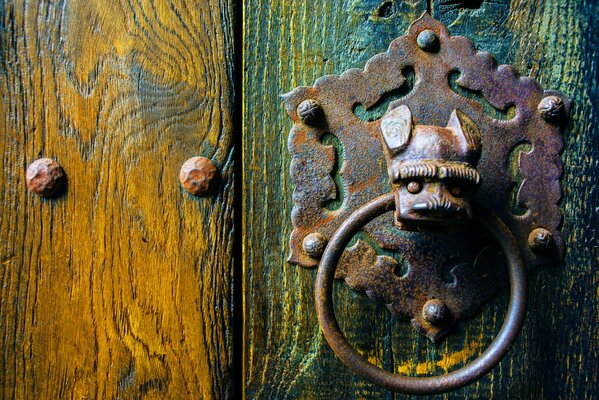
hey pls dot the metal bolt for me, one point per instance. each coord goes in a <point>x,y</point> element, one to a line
<point>435,312</point>
<point>314,245</point>
<point>45,177</point>
<point>552,109</point>
<point>310,112</point>
<point>198,176</point>
<point>428,40</point>
<point>540,239</point>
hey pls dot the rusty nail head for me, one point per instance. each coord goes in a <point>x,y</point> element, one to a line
<point>198,176</point>
<point>552,109</point>
<point>540,239</point>
<point>428,40</point>
<point>310,112</point>
<point>45,177</point>
<point>314,244</point>
<point>435,312</point>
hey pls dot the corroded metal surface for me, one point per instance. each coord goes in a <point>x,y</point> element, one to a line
<point>198,176</point>
<point>518,123</point>
<point>433,311</point>
<point>45,177</point>
<point>432,169</point>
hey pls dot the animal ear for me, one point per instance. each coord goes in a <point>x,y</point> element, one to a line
<point>467,128</point>
<point>397,128</point>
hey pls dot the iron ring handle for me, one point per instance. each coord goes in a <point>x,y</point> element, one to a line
<point>407,384</point>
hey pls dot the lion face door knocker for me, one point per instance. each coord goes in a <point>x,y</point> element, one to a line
<point>432,169</point>
<point>463,176</point>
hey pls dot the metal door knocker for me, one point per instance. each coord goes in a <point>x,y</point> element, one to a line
<point>467,156</point>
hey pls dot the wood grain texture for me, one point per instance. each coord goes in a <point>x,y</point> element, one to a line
<point>122,287</point>
<point>288,44</point>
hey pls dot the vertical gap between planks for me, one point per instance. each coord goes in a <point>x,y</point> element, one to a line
<point>237,382</point>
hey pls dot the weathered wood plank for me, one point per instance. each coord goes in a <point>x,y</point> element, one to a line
<point>121,288</point>
<point>288,44</point>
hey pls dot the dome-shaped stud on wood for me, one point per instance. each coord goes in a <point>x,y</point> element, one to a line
<point>310,112</point>
<point>428,41</point>
<point>552,109</point>
<point>45,177</point>
<point>198,176</point>
<point>314,245</point>
<point>540,240</point>
<point>435,312</point>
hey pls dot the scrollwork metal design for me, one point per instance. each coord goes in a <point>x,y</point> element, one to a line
<point>328,107</point>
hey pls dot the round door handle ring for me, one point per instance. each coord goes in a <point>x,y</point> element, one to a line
<point>409,384</point>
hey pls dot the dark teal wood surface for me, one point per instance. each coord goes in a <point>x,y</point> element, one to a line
<point>291,43</point>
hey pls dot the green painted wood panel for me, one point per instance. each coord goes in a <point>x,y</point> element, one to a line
<point>290,43</point>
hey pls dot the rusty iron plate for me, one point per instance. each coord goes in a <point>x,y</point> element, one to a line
<point>433,74</point>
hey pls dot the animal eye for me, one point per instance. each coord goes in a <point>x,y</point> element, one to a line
<point>414,187</point>
<point>457,190</point>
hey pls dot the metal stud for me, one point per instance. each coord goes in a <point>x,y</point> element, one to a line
<point>314,245</point>
<point>310,112</point>
<point>435,312</point>
<point>552,109</point>
<point>428,40</point>
<point>540,240</point>
<point>198,176</point>
<point>45,177</point>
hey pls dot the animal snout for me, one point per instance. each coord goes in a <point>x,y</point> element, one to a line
<point>438,205</point>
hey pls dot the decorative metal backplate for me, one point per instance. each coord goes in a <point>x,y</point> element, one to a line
<point>339,163</point>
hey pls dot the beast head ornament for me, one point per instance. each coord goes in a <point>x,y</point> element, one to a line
<point>432,169</point>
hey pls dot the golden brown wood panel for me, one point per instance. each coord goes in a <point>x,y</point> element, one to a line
<point>292,43</point>
<point>122,287</point>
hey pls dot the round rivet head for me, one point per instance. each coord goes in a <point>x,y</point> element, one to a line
<point>540,240</point>
<point>314,245</point>
<point>435,312</point>
<point>552,109</point>
<point>428,40</point>
<point>45,177</point>
<point>310,112</point>
<point>198,176</point>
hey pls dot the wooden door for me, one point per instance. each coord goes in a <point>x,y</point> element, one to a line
<point>292,43</point>
<point>125,286</point>
<point>122,286</point>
